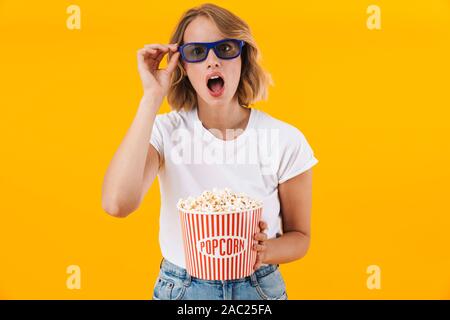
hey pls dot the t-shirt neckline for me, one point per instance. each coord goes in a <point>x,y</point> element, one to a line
<point>239,137</point>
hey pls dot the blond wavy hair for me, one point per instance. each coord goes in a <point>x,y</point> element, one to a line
<point>254,82</point>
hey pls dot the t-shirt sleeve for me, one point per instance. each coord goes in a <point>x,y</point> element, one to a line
<point>156,138</point>
<point>297,157</point>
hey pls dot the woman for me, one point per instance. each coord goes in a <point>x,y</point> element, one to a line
<point>211,138</point>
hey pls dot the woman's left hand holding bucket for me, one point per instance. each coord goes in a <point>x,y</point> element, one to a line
<point>261,247</point>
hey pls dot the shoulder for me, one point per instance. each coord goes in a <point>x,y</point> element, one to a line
<point>286,131</point>
<point>172,120</point>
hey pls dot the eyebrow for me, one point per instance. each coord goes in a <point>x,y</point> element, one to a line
<point>205,41</point>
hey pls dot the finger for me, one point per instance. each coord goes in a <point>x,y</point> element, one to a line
<point>141,55</point>
<point>259,247</point>
<point>148,52</point>
<point>146,57</point>
<point>258,236</point>
<point>173,46</point>
<point>154,59</point>
<point>259,227</point>
<point>157,60</point>
<point>157,50</point>
<point>161,51</point>
<point>261,236</point>
<point>173,62</point>
<point>156,45</point>
<point>159,46</point>
<point>257,262</point>
<point>162,48</point>
<point>263,225</point>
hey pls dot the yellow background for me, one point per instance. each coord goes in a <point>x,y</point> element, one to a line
<point>374,105</point>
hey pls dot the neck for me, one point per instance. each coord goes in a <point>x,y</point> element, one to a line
<point>223,116</point>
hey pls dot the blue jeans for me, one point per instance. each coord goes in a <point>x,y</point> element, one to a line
<point>175,283</point>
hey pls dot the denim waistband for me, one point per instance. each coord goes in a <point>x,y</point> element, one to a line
<point>182,273</point>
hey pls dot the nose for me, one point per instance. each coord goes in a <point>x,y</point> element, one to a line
<point>212,60</point>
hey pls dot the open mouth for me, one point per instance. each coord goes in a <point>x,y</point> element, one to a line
<point>215,85</point>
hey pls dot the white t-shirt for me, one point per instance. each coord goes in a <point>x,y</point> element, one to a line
<point>267,153</point>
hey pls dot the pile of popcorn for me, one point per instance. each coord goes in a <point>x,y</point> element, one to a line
<point>219,200</point>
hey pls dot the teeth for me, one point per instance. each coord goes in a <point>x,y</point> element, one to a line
<point>214,77</point>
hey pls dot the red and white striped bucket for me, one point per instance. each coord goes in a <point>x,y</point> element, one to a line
<point>219,245</point>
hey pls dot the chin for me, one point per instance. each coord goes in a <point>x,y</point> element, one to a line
<point>217,101</point>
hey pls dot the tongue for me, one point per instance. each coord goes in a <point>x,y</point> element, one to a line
<point>216,86</point>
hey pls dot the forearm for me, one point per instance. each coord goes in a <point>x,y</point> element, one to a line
<point>123,180</point>
<point>291,246</point>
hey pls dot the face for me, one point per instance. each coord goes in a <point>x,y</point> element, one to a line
<point>202,29</point>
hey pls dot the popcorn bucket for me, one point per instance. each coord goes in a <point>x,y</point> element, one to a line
<point>219,245</point>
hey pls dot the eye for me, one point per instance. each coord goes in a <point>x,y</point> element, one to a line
<point>197,51</point>
<point>225,47</point>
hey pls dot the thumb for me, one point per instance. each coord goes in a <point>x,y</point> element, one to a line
<point>172,62</point>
